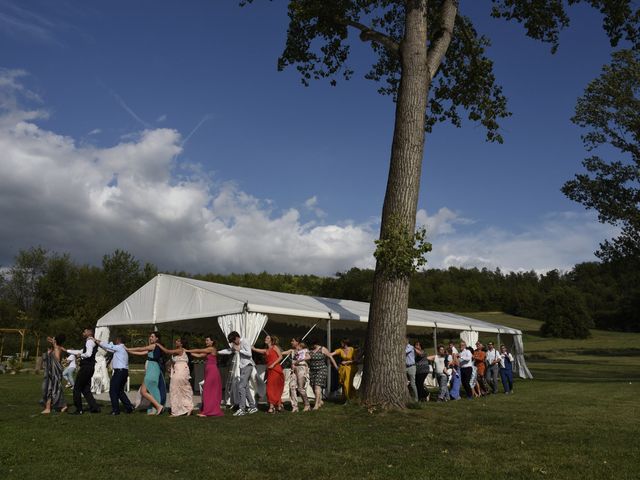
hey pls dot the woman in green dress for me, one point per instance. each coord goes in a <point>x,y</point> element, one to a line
<point>153,383</point>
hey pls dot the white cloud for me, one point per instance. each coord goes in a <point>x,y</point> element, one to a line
<point>161,118</point>
<point>88,201</point>
<point>556,240</point>
<point>135,195</point>
<point>95,131</point>
<point>442,223</point>
<point>311,204</point>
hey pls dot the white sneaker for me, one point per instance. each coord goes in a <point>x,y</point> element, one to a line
<point>252,410</point>
<point>239,413</point>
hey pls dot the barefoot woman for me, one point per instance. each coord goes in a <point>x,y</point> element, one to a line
<point>54,396</point>
<point>153,379</point>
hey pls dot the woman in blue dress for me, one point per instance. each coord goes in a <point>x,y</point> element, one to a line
<point>456,380</point>
<point>153,387</point>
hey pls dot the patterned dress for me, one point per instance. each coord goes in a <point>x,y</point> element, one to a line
<point>55,390</point>
<point>317,369</point>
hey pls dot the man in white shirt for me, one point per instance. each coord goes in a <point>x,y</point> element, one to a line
<point>120,367</point>
<point>506,369</point>
<point>440,369</point>
<point>410,369</point>
<point>493,360</point>
<point>83,379</point>
<point>466,368</point>
<point>242,346</point>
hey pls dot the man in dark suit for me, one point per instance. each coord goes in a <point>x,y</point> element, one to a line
<point>83,379</point>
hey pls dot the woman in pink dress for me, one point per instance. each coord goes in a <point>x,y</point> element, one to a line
<point>180,391</point>
<point>212,390</point>
<point>275,375</point>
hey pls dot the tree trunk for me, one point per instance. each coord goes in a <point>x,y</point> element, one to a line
<point>384,380</point>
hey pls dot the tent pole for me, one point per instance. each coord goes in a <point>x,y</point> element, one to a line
<point>302,339</point>
<point>22,346</point>
<point>435,339</point>
<point>499,341</point>
<point>329,348</point>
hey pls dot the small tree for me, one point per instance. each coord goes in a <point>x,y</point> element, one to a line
<point>565,314</point>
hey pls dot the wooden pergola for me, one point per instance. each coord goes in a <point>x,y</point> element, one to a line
<point>23,333</point>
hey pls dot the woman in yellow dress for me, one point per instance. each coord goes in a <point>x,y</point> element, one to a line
<point>347,369</point>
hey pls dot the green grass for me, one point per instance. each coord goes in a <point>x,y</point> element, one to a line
<point>579,418</point>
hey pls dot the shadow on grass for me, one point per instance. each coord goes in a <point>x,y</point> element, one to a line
<point>553,371</point>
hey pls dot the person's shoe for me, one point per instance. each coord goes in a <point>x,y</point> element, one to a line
<point>252,410</point>
<point>240,412</point>
<point>77,412</point>
<point>129,410</point>
<point>114,413</point>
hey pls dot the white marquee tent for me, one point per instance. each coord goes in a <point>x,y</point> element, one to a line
<point>194,305</point>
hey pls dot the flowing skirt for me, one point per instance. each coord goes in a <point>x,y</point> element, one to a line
<point>275,385</point>
<point>456,382</point>
<point>55,390</point>
<point>212,391</point>
<point>180,390</point>
<point>152,382</point>
<point>346,373</point>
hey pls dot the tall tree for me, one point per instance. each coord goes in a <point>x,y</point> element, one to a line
<point>433,63</point>
<point>610,111</point>
<point>22,282</point>
<point>123,275</point>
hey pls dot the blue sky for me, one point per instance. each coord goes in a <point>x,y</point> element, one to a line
<point>276,177</point>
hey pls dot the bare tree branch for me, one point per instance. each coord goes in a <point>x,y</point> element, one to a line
<point>439,46</point>
<point>368,34</point>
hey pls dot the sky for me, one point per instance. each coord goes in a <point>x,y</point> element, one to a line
<point>164,128</point>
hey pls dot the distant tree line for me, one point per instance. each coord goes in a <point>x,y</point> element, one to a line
<point>48,292</point>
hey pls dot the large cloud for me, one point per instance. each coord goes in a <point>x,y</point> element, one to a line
<point>71,197</point>
<point>89,201</point>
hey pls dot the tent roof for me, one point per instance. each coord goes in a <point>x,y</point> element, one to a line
<point>167,298</point>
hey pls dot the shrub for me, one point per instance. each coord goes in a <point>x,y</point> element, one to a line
<point>565,314</point>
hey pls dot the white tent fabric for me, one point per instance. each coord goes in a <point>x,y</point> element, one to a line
<point>469,337</point>
<point>100,381</point>
<point>520,366</point>
<point>168,299</point>
<point>248,325</point>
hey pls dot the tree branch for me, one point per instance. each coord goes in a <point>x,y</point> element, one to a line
<point>368,34</point>
<point>438,48</point>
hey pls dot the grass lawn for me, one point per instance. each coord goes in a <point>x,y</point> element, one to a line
<point>579,418</point>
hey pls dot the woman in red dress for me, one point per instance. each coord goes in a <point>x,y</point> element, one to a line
<point>275,374</point>
<point>212,390</point>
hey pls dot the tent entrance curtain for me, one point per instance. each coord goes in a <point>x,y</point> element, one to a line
<point>100,381</point>
<point>520,366</point>
<point>469,337</point>
<point>248,325</point>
